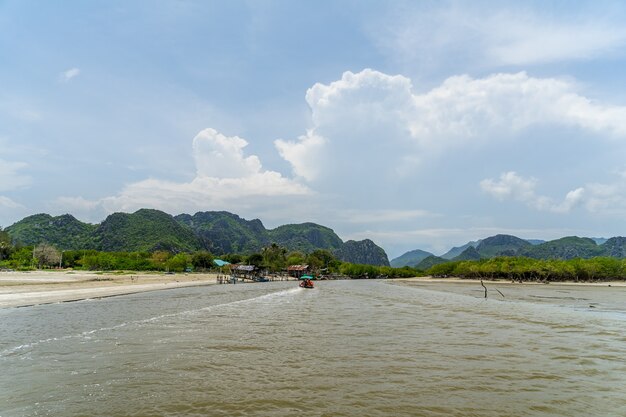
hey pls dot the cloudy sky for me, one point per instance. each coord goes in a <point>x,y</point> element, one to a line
<point>415,124</point>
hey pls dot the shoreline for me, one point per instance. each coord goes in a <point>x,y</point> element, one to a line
<point>25,289</point>
<point>457,280</point>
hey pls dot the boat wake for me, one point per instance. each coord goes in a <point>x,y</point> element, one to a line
<point>265,298</point>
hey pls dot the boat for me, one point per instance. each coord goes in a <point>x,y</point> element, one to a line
<point>307,283</point>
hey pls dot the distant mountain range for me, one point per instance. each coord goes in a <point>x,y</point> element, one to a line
<point>506,245</point>
<point>219,232</point>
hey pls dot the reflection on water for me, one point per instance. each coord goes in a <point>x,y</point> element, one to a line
<point>347,348</point>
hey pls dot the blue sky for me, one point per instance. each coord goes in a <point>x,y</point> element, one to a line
<point>415,124</point>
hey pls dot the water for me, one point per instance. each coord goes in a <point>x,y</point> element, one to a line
<point>346,348</point>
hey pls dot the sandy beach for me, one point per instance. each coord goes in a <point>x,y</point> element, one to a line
<point>20,289</point>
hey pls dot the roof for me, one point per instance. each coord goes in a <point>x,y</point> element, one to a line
<point>219,262</point>
<point>247,268</point>
<point>297,267</point>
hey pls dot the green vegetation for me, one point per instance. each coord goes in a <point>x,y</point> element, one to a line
<point>215,232</point>
<point>271,259</point>
<point>64,231</point>
<point>363,252</point>
<point>527,269</point>
<point>145,230</point>
<point>224,232</point>
<point>565,248</point>
<point>306,237</point>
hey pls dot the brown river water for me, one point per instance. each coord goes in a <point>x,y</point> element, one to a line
<point>345,348</point>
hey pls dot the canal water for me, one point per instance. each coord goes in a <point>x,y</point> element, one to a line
<point>346,348</point>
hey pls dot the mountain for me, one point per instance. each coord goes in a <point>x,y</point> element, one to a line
<point>535,241</point>
<point>307,237</point>
<point>222,232</point>
<point>615,247</point>
<point>469,254</point>
<point>64,232</point>
<point>430,261</point>
<point>410,258</point>
<point>599,240</point>
<point>456,251</point>
<point>501,245</point>
<point>565,248</point>
<point>145,230</point>
<point>217,231</point>
<point>362,252</point>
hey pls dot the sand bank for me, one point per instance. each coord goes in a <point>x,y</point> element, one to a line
<point>19,289</point>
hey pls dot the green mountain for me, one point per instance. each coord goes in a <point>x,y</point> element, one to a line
<point>457,250</point>
<point>362,252</point>
<point>222,232</point>
<point>501,245</point>
<point>218,231</point>
<point>64,232</point>
<point>145,230</point>
<point>469,254</point>
<point>410,258</point>
<point>306,237</point>
<point>615,247</point>
<point>565,248</point>
<point>430,261</point>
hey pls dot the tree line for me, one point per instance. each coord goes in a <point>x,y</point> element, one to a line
<point>535,270</point>
<point>271,259</point>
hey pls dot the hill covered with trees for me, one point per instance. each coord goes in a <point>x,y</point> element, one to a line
<point>217,232</point>
<point>566,248</point>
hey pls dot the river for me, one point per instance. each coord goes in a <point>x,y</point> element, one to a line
<point>345,348</point>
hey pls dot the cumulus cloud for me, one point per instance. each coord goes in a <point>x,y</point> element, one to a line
<point>226,179</point>
<point>373,126</point>
<point>69,74</point>
<point>512,186</point>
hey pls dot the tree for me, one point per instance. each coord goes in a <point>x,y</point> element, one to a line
<point>321,259</point>
<point>274,257</point>
<point>5,245</point>
<point>295,258</point>
<point>202,260</point>
<point>233,258</point>
<point>46,255</point>
<point>159,259</point>
<point>178,262</point>
<point>255,259</point>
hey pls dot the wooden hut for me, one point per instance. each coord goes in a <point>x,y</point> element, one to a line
<point>297,271</point>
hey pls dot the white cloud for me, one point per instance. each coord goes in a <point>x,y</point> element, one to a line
<point>512,186</point>
<point>499,36</point>
<point>371,128</point>
<point>6,202</point>
<point>225,179</point>
<point>69,74</point>
<point>10,178</point>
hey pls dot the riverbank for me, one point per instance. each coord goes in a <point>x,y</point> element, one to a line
<point>21,289</point>
<point>458,280</point>
<point>599,296</point>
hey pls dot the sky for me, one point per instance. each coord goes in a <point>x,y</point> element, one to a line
<point>417,124</point>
